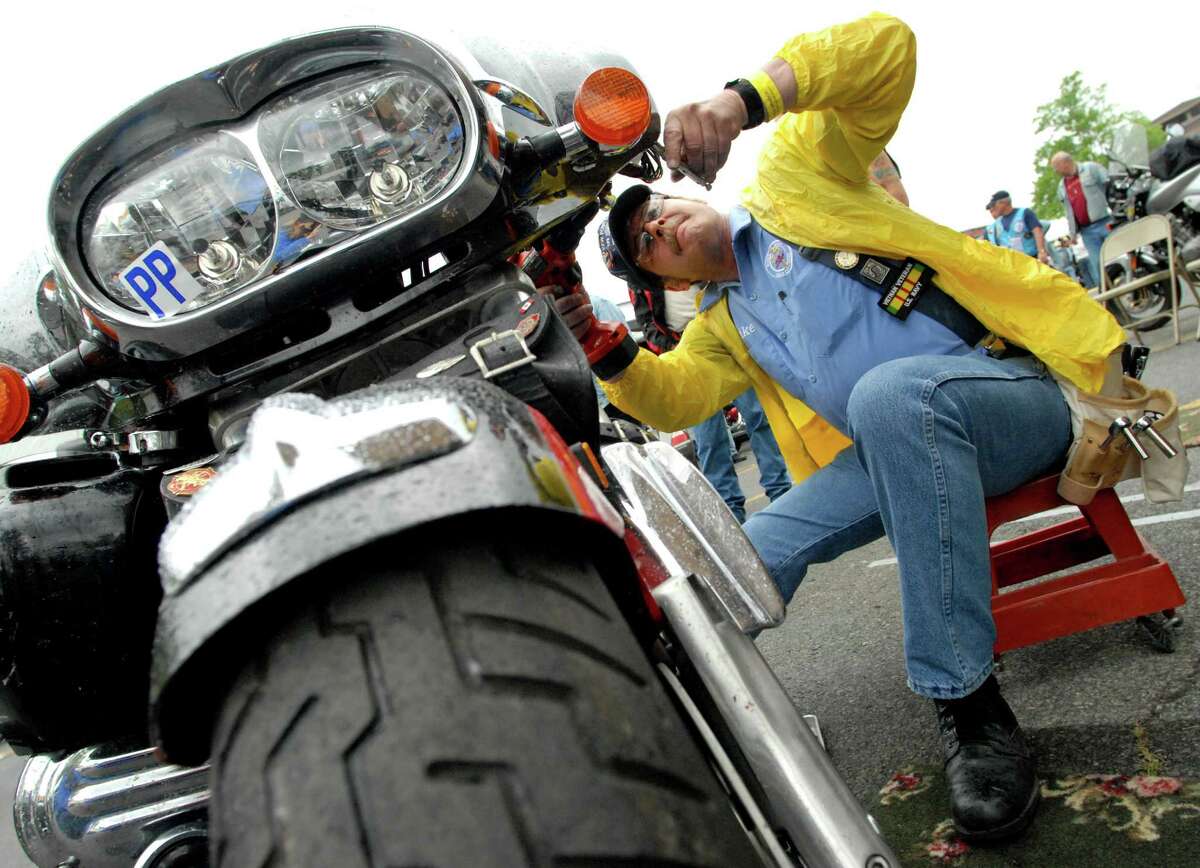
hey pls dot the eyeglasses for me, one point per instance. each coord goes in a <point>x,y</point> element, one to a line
<point>643,240</point>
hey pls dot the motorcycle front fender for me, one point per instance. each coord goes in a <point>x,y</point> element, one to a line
<point>316,480</point>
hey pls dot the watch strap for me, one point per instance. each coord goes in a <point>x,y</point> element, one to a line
<point>755,113</point>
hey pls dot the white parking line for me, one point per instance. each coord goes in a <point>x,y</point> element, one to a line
<point>1167,516</point>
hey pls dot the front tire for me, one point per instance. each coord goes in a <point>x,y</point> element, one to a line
<point>476,700</point>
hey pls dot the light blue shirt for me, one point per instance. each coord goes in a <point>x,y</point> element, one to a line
<point>813,330</point>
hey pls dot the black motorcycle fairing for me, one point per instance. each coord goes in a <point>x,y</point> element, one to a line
<point>559,366</point>
<point>509,465</point>
<point>78,592</point>
<point>1177,155</point>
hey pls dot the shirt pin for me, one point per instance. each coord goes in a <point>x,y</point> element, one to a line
<point>845,259</point>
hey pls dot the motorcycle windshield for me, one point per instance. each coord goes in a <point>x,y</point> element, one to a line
<point>1130,147</point>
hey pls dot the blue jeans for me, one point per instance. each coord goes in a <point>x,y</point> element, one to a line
<point>933,436</point>
<point>1093,236</point>
<point>716,463</point>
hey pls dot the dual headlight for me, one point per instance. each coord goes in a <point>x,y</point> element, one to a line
<point>216,212</point>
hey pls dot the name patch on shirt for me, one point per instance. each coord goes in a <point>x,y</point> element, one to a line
<point>778,260</point>
<point>899,300</point>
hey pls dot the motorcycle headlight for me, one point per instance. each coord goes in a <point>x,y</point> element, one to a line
<point>354,153</point>
<point>207,211</point>
<point>218,212</point>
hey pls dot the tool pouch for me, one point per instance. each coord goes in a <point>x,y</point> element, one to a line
<point>1092,464</point>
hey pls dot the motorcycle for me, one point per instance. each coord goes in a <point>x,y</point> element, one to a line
<point>312,551</point>
<point>1135,190</point>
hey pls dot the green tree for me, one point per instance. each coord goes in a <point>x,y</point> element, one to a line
<point>1081,121</point>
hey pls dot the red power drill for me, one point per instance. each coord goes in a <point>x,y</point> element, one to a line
<point>554,265</point>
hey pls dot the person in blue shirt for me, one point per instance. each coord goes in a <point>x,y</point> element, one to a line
<point>663,313</point>
<point>1015,228</point>
<point>866,365</point>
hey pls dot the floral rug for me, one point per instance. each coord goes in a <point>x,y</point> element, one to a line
<point>1092,820</point>
<point>1189,423</point>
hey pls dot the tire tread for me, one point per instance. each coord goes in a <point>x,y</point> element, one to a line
<point>483,705</point>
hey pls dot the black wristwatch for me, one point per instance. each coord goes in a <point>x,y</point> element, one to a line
<point>755,113</point>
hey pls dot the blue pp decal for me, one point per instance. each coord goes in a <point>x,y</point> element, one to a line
<point>160,284</point>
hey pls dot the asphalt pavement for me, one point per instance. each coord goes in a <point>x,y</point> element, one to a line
<point>1079,698</point>
<point>839,653</point>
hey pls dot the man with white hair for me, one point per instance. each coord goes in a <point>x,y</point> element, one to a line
<point>1082,193</point>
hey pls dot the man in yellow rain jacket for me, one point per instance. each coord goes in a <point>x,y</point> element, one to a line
<point>868,332</point>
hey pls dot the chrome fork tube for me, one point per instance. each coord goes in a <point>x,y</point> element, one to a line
<point>807,795</point>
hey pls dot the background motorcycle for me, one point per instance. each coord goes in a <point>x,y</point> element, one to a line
<point>1134,191</point>
<point>404,620</point>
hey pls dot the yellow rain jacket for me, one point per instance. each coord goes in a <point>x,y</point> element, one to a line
<point>853,82</point>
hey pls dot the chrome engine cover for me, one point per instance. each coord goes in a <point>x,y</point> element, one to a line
<point>101,807</point>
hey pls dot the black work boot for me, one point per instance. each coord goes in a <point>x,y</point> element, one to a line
<point>992,774</point>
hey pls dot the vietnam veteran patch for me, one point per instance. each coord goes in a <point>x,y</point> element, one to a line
<point>905,291</point>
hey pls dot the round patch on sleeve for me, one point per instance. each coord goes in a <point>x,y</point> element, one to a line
<point>778,260</point>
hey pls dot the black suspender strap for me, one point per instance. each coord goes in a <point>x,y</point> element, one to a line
<point>506,360</point>
<point>903,285</point>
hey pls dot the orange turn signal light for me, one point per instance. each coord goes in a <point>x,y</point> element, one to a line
<point>612,107</point>
<point>14,403</point>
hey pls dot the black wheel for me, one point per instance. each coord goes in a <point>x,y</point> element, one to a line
<point>480,702</point>
<point>1160,630</point>
<point>1149,301</point>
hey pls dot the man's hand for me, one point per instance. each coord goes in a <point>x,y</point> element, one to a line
<point>700,134</point>
<point>575,309</point>
<point>1044,256</point>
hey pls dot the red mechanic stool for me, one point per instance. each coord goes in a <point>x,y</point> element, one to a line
<point>1138,584</point>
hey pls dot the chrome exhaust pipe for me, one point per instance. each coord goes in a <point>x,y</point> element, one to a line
<point>103,808</point>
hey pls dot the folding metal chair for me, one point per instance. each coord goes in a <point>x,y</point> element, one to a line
<point>1130,237</point>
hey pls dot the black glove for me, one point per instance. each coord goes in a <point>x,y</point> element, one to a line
<point>566,236</point>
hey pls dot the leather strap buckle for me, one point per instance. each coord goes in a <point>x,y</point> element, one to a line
<point>497,339</point>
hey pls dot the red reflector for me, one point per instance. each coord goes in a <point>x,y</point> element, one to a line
<point>14,403</point>
<point>679,437</point>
